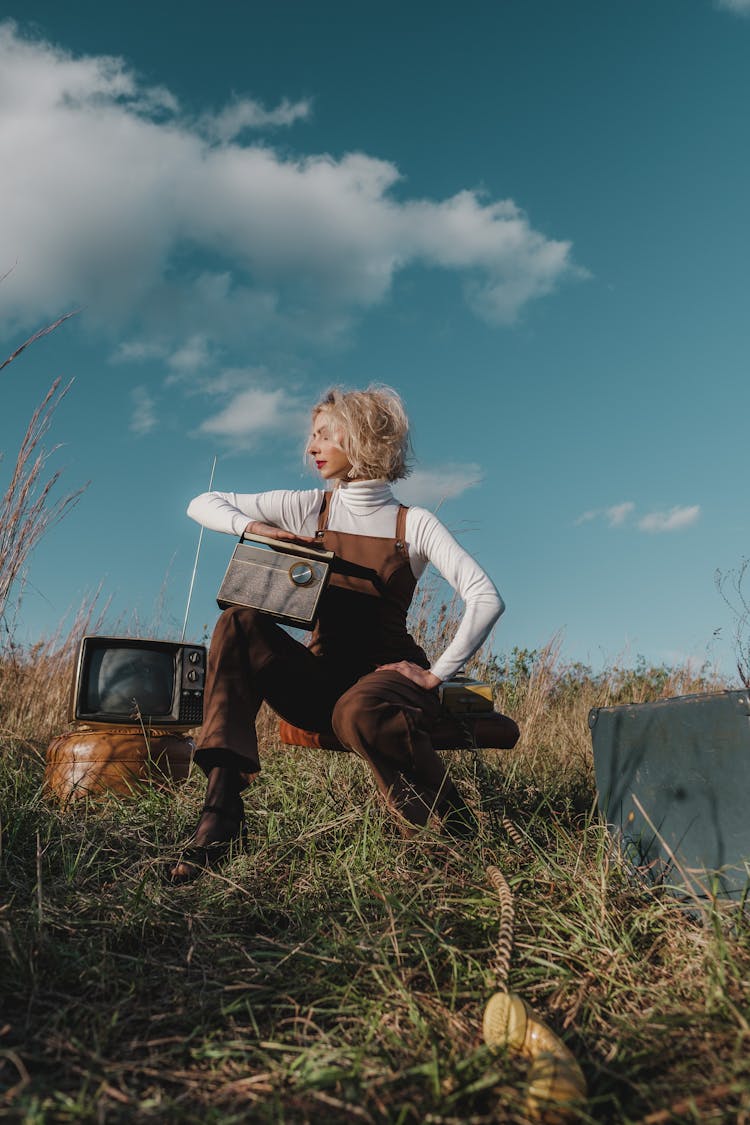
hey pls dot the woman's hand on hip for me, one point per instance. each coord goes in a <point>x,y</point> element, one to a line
<point>423,677</point>
<point>255,527</point>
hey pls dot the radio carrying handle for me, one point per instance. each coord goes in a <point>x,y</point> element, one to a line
<point>288,548</point>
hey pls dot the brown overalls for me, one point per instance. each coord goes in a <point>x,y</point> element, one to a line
<point>334,684</point>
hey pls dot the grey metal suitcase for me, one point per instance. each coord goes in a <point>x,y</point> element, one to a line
<point>284,580</point>
<point>674,786</point>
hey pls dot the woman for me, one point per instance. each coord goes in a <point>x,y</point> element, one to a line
<point>362,676</point>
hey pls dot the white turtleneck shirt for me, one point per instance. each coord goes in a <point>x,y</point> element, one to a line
<point>370,508</point>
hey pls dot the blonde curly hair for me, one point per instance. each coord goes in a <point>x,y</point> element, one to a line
<point>373,430</point>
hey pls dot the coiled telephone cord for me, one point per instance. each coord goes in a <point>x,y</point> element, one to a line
<point>556,1087</point>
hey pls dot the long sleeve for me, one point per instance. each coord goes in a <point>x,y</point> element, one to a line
<point>231,512</point>
<point>431,541</point>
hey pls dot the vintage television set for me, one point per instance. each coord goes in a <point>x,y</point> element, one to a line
<point>124,681</point>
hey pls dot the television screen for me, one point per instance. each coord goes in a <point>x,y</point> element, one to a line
<point>124,680</point>
<point>129,681</point>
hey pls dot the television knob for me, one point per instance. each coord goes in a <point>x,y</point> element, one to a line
<point>192,675</point>
<point>194,657</point>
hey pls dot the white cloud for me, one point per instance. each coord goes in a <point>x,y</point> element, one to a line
<point>137,351</point>
<point>246,113</point>
<point>741,7</point>
<point>428,487</point>
<point>144,418</point>
<point>230,381</point>
<point>673,520</point>
<point>616,515</point>
<point>193,356</point>
<point>106,183</point>
<point>254,413</point>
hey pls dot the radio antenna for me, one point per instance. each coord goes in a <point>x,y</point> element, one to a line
<point>197,556</point>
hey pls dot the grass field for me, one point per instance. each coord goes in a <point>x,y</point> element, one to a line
<point>337,972</point>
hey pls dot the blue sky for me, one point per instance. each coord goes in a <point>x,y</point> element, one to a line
<point>529,216</point>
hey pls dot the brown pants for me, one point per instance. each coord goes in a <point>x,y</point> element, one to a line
<point>382,716</point>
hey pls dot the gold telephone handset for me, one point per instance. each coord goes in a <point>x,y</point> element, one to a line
<point>557,1086</point>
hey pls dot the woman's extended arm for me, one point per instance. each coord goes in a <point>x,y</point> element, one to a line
<point>231,512</point>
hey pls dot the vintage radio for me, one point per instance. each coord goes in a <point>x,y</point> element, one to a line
<point>284,580</point>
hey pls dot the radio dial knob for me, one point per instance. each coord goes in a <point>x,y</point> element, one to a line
<point>301,574</point>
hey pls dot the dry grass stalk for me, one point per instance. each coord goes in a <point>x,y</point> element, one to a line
<point>26,512</point>
<point>36,335</point>
<point>35,681</point>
